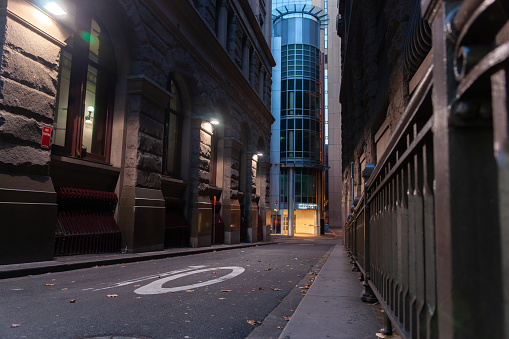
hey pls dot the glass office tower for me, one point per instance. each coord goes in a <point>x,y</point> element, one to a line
<point>297,102</point>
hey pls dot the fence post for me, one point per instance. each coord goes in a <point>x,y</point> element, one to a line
<point>467,231</point>
<point>368,295</point>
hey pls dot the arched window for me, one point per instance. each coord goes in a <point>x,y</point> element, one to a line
<point>83,117</point>
<point>172,130</point>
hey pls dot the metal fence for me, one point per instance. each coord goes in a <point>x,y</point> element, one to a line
<point>430,232</point>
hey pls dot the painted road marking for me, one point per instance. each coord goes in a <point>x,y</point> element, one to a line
<point>156,287</point>
<point>149,277</point>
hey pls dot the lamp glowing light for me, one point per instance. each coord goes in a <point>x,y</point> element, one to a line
<point>88,118</point>
<point>214,121</point>
<point>54,8</point>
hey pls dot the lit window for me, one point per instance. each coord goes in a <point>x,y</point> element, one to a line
<point>83,117</point>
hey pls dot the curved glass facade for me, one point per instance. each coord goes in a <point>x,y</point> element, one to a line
<point>300,103</point>
<point>297,108</point>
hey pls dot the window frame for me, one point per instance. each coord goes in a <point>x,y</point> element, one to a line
<point>80,62</point>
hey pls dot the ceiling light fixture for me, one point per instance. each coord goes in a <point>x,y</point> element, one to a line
<point>54,8</point>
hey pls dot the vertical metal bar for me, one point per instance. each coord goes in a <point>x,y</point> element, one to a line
<point>419,243</point>
<point>368,295</point>
<point>429,241</point>
<point>499,84</point>
<point>411,250</point>
<point>384,241</point>
<point>405,250</point>
<point>395,246</point>
<point>352,181</point>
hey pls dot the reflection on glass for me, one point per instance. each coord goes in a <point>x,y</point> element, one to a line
<point>60,122</point>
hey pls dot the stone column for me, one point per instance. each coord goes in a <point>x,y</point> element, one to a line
<point>28,209</point>
<point>245,58</point>
<point>264,167</point>
<point>252,231</point>
<point>200,211</point>
<point>261,82</point>
<point>253,63</point>
<point>141,213</point>
<point>231,204</point>
<point>222,23</point>
<point>232,37</point>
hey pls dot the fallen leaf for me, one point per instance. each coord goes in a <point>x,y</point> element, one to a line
<point>136,285</point>
<point>289,281</point>
<point>226,290</point>
<point>49,284</point>
<point>222,298</point>
<point>138,297</point>
<point>17,289</point>
<point>287,318</point>
<point>253,322</point>
<point>112,295</point>
<point>259,261</point>
<point>15,325</point>
<point>72,301</point>
<point>189,291</point>
<point>64,289</point>
<point>276,289</point>
<point>261,288</point>
<point>268,269</point>
<point>280,327</point>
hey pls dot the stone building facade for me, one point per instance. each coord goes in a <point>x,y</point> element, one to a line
<point>424,97</point>
<point>375,84</point>
<point>162,103</point>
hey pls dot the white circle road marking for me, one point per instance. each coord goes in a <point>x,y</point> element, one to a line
<point>156,287</point>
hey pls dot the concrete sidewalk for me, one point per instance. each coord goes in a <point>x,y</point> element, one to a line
<point>332,308</point>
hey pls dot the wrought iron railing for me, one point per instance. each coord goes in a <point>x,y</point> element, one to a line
<point>391,230</point>
<point>430,243</point>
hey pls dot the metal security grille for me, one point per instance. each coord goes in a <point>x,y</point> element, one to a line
<point>85,222</point>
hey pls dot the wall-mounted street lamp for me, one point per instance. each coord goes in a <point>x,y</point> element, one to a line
<point>214,121</point>
<point>259,153</point>
<point>54,8</point>
<point>89,117</point>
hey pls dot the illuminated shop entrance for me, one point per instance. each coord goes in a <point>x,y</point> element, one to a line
<point>298,189</point>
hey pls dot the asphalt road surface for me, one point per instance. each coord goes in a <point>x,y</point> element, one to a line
<point>224,294</point>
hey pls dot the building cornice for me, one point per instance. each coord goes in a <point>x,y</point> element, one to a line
<point>200,41</point>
